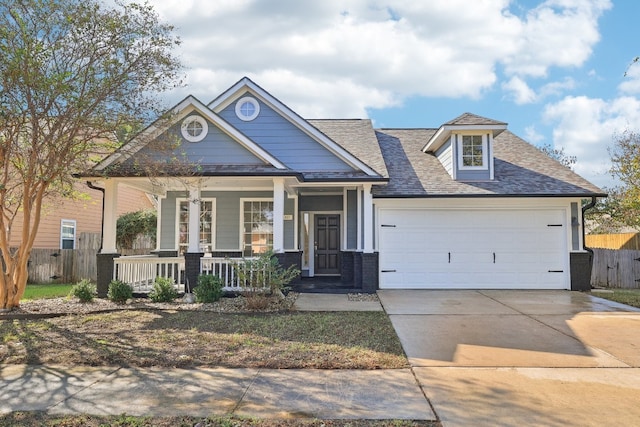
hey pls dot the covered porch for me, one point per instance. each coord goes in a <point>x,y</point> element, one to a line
<point>208,224</point>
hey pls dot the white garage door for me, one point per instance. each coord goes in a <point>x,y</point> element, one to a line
<point>473,249</point>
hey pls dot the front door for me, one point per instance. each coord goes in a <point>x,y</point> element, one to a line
<point>327,244</point>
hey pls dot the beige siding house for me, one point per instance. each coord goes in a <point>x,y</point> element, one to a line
<point>63,220</point>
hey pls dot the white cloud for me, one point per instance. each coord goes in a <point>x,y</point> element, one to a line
<point>532,135</point>
<point>631,83</point>
<point>585,127</point>
<point>556,33</point>
<point>379,52</point>
<point>519,91</point>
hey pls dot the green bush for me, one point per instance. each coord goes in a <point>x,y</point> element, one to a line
<point>209,288</point>
<point>119,291</point>
<point>133,224</point>
<point>163,290</point>
<point>265,274</point>
<point>84,290</point>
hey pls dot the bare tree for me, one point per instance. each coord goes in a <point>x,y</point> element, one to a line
<point>73,74</point>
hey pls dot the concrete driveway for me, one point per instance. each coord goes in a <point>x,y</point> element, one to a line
<point>513,358</point>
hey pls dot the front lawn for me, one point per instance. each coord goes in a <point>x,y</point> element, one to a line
<point>49,290</point>
<point>185,339</point>
<point>624,296</point>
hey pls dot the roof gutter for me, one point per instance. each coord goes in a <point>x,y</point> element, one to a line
<point>100,189</point>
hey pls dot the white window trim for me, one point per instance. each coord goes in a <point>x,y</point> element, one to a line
<point>213,221</point>
<point>241,223</point>
<point>485,152</point>
<point>75,231</point>
<point>252,101</point>
<point>187,121</point>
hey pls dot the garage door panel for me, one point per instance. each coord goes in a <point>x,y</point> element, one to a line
<point>489,249</point>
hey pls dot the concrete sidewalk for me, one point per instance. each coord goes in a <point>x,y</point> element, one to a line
<point>285,393</point>
<point>290,393</point>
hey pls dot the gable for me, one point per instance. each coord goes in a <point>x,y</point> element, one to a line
<point>285,141</point>
<point>217,147</point>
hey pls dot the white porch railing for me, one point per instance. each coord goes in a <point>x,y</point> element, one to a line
<point>141,271</point>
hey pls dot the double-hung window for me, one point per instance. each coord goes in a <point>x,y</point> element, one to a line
<point>207,225</point>
<point>472,152</point>
<point>257,226</point>
<point>68,234</point>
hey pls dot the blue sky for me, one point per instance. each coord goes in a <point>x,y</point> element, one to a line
<point>554,70</point>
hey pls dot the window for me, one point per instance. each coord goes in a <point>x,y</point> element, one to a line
<point>68,234</point>
<point>206,225</point>
<point>472,152</point>
<point>194,128</point>
<point>257,231</point>
<point>247,109</point>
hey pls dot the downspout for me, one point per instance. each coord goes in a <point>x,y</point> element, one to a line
<point>100,189</point>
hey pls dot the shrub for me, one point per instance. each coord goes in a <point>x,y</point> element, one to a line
<point>265,273</point>
<point>119,291</point>
<point>133,224</point>
<point>163,290</point>
<point>84,290</point>
<point>209,288</point>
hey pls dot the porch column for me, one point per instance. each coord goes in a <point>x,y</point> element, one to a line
<point>194,221</point>
<point>278,215</point>
<point>110,217</point>
<point>368,218</point>
<point>359,219</point>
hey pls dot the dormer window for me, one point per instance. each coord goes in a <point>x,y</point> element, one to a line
<point>472,152</point>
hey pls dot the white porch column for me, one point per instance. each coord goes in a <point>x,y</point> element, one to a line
<point>194,220</point>
<point>368,218</point>
<point>110,217</point>
<point>278,215</point>
<point>359,219</point>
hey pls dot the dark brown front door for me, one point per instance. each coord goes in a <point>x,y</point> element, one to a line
<point>327,244</point>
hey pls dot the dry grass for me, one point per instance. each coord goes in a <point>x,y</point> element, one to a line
<point>41,419</point>
<point>186,339</point>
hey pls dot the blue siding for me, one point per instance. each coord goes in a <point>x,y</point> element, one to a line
<point>473,175</point>
<point>227,218</point>
<point>217,148</point>
<point>285,141</point>
<point>320,203</point>
<point>445,155</point>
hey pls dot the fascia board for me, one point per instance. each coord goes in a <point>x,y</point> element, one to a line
<point>443,133</point>
<point>230,95</point>
<point>180,111</point>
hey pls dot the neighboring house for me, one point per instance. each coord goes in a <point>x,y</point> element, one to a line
<point>465,205</point>
<point>63,219</point>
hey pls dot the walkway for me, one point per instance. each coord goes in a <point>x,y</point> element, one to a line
<point>291,393</point>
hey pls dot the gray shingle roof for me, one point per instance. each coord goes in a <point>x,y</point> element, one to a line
<point>520,169</point>
<point>472,119</point>
<point>358,138</point>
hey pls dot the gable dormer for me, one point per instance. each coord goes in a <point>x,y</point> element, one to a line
<point>464,147</point>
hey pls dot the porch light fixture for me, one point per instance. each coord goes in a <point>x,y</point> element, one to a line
<point>194,128</point>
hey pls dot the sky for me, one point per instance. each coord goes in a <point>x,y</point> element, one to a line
<point>553,70</point>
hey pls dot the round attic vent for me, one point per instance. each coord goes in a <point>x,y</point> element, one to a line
<point>247,108</point>
<point>194,128</point>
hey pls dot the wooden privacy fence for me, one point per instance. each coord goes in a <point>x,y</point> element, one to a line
<point>616,268</point>
<point>70,265</point>
<point>613,241</point>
